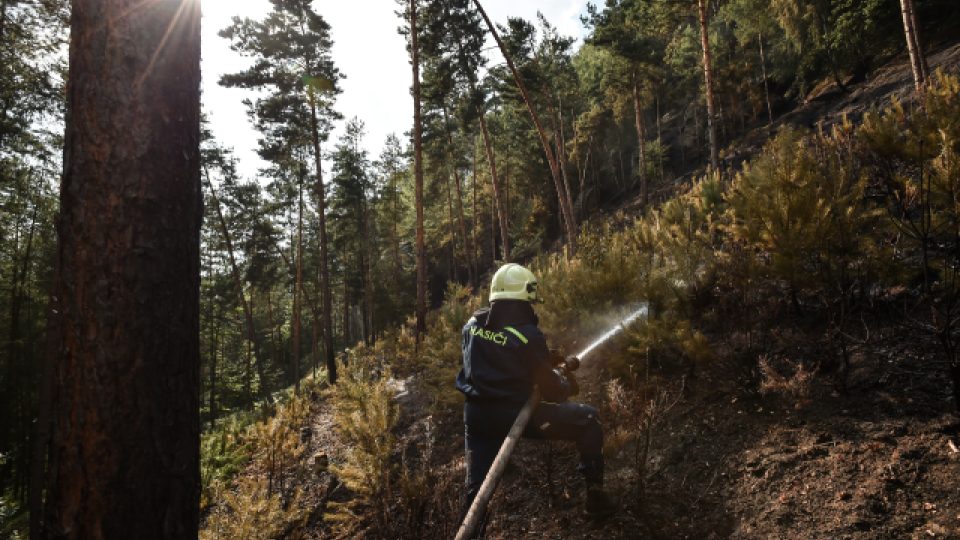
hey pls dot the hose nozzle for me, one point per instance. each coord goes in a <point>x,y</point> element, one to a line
<point>571,364</point>
<point>568,364</point>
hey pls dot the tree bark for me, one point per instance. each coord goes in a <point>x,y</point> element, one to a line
<point>708,86</point>
<point>125,451</point>
<point>421,307</point>
<point>497,194</point>
<point>913,44</point>
<point>325,294</point>
<point>566,205</point>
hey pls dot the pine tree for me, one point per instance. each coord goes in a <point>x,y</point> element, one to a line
<point>291,48</point>
<point>350,219</point>
<point>624,30</point>
<point>565,202</point>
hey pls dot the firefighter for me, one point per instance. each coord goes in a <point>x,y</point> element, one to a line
<point>504,355</point>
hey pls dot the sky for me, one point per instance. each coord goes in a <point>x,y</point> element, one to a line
<point>368,51</point>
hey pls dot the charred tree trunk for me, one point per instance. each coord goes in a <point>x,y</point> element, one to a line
<point>566,205</point>
<point>125,450</point>
<point>708,86</point>
<point>421,247</point>
<point>325,295</point>
<point>497,192</point>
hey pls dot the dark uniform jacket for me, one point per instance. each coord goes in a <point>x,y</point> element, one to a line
<point>502,362</point>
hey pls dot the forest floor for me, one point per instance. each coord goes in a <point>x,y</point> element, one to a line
<point>877,457</point>
<point>879,460</point>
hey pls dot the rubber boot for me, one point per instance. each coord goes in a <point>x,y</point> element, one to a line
<point>599,503</point>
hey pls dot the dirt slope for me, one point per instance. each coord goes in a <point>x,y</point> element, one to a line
<point>878,461</point>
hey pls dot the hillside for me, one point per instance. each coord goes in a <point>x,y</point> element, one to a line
<point>795,446</point>
<point>878,457</point>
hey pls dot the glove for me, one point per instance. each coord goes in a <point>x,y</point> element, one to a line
<point>568,382</point>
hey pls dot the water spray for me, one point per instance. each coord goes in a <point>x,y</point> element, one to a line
<point>568,364</point>
<point>642,312</point>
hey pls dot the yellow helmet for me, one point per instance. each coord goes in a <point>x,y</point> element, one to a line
<point>514,282</point>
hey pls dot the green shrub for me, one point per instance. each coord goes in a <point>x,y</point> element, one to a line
<point>365,416</point>
<point>251,511</point>
<point>223,453</point>
<point>265,504</point>
<point>800,210</point>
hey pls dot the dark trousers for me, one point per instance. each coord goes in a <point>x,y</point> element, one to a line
<point>486,426</point>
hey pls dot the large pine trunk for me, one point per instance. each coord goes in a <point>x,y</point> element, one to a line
<point>125,449</point>
<point>708,86</point>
